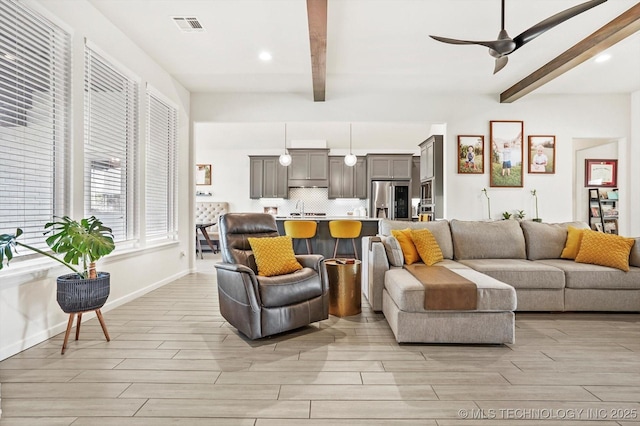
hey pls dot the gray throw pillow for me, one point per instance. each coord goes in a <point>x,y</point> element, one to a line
<point>393,249</point>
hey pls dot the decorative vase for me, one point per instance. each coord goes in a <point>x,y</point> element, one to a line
<point>80,295</point>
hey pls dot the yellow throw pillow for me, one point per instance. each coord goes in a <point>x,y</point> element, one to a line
<point>406,244</point>
<point>572,246</point>
<point>603,249</point>
<point>274,255</point>
<point>427,246</point>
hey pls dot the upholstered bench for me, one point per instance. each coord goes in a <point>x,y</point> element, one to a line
<point>492,322</point>
<point>209,212</point>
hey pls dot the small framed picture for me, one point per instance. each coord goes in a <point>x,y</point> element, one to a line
<point>471,154</point>
<point>598,227</point>
<point>203,174</point>
<point>601,173</point>
<point>542,154</point>
<point>506,153</point>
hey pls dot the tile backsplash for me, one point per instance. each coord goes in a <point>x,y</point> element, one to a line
<point>316,200</point>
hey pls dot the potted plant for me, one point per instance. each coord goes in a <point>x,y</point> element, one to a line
<point>81,243</point>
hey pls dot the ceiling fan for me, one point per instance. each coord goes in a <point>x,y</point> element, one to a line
<point>506,45</point>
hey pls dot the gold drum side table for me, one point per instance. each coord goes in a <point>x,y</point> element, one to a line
<point>344,287</point>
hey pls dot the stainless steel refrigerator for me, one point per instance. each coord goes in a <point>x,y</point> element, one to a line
<point>390,199</point>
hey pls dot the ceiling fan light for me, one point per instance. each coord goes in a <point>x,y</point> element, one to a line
<point>350,160</point>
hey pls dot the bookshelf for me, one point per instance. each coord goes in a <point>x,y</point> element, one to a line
<point>603,209</point>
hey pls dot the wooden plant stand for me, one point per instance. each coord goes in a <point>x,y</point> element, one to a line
<point>72,315</point>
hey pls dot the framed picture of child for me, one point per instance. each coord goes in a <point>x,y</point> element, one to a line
<point>471,154</point>
<point>542,154</point>
<point>506,153</point>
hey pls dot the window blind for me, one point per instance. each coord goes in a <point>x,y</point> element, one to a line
<point>34,121</point>
<point>110,132</point>
<point>160,190</point>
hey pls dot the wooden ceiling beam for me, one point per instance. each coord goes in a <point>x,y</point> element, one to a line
<point>317,18</point>
<point>618,29</point>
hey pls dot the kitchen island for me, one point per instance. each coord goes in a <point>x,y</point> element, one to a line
<point>323,243</point>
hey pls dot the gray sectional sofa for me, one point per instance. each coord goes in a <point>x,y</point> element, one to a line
<point>516,265</point>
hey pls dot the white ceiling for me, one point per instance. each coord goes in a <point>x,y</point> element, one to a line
<point>373,46</point>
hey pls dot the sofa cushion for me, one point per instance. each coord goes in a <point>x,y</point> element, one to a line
<point>605,249</point>
<point>572,246</point>
<point>521,274</point>
<point>588,276</point>
<point>439,229</point>
<point>634,256</point>
<point>409,251</point>
<point>408,293</point>
<point>546,240</point>
<point>283,290</point>
<point>393,250</point>
<point>487,240</point>
<point>427,246</point>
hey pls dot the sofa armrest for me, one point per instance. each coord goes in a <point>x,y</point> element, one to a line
<point>239,283</point>
<point>374,265</point>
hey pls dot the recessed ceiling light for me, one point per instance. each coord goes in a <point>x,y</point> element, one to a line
<point>265,56</point>
<point>603,57</point>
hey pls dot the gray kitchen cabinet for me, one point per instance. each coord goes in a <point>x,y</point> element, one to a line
<point>415,177</point>
<point>432,177</point>
<point>431,158</point>
<point>268,178</point>
<point>389,166</point>
<point>346,181</point>
<point>309,167</point>
<point>360,186</point>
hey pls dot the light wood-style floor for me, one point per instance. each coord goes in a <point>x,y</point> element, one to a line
<point>173,360</point>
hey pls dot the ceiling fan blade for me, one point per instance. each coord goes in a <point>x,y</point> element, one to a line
<point>552,21</point>
<point>501,62</point>
<point>489,44</point>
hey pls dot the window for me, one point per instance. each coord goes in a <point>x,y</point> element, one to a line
<point>110,132</point>
<point>34,121</point>
<point>160,188</point>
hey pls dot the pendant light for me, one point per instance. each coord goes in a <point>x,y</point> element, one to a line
<point>350,159</point>
<point>285,158</point>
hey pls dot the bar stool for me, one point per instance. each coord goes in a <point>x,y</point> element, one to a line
<point>343,229</point>
<point>303,229</point>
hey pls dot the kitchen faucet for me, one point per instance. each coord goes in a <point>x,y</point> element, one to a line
<point>300,207</point>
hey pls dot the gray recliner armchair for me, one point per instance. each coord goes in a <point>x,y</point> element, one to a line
<point>262,306</point>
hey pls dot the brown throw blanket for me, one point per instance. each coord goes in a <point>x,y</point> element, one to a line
<point>444,289</point>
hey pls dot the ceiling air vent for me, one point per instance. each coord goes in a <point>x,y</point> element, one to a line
<point>188,24</point>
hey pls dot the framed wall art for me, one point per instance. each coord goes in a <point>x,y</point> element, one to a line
<point>203,174</point>
<point>601,173</point>
<point>542,154</point>
<point>506,153</point>
<point>471,154</point>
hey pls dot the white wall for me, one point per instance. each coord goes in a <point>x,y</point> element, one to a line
<point>567,117</point>
<point>28,310</point>
<point>634,175</point>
